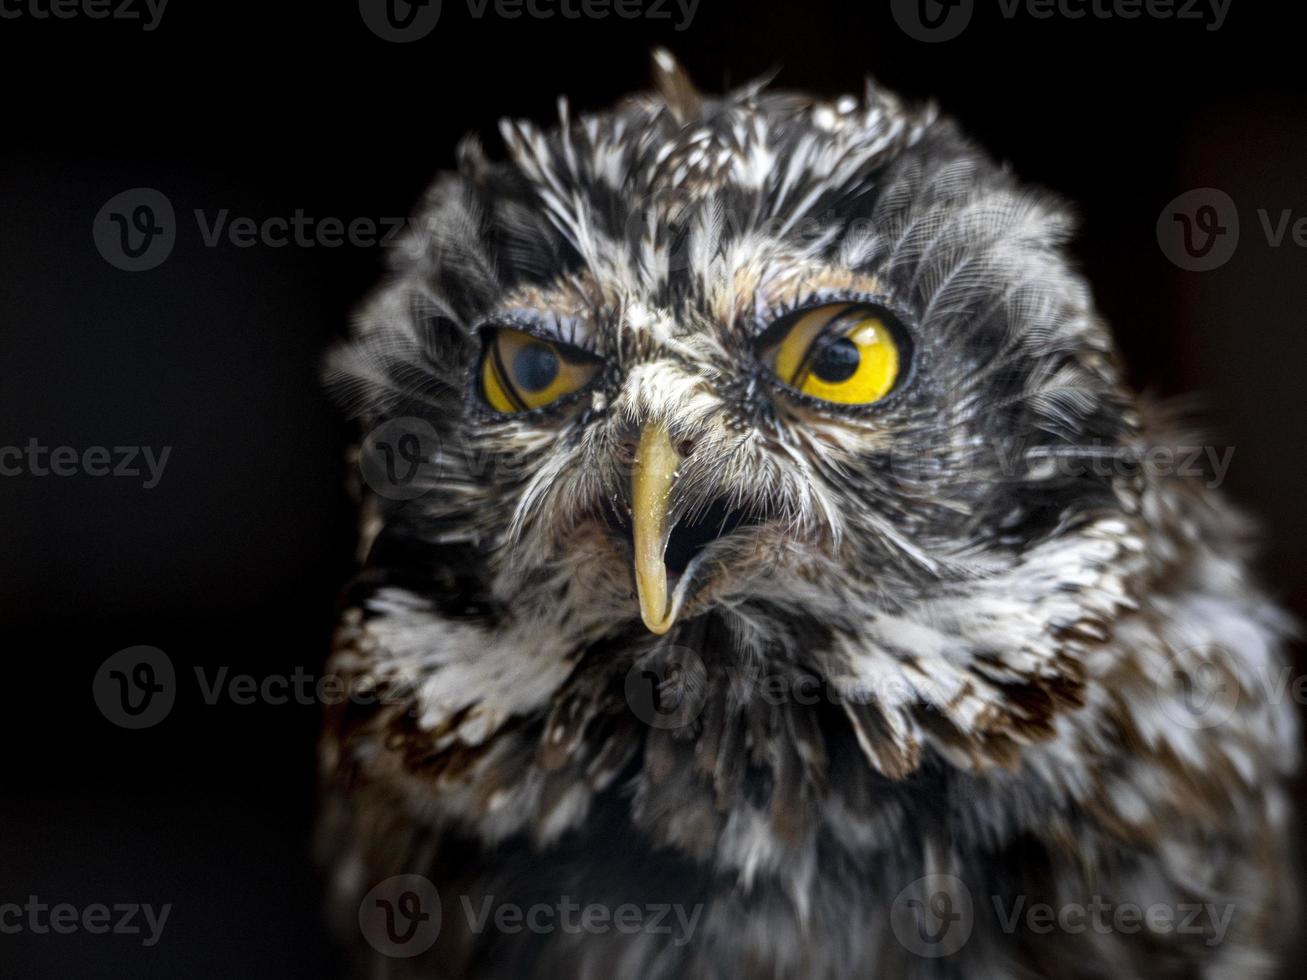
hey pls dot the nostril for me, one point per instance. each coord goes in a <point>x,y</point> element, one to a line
<point>627,446</point>
<point>626,449</point>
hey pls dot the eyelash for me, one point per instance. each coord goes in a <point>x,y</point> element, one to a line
<point>552,330</point>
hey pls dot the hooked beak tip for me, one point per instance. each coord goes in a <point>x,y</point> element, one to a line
<point>658,628</point>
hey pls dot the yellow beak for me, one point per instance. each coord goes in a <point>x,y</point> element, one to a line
<point>656,462</point>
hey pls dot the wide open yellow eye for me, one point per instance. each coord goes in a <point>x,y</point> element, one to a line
<point>842,353</point>
<point>520,372</point>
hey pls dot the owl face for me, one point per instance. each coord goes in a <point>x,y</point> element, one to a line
<point>705,442</point>
<point>796,363</point>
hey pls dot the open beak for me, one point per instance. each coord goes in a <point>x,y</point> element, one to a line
<point>656,463</point>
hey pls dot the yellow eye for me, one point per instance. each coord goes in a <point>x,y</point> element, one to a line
<point>841,353</point>
<point>520,372</point>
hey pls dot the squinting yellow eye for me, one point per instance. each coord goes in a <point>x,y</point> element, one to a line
<point>520,372</point>
<point>841,353</point>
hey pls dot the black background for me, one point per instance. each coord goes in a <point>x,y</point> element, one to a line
<point>236,557</point>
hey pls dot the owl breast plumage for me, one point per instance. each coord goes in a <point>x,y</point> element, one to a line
<point>779,541</point>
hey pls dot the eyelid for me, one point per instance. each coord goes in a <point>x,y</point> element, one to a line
<point>567,334</point>
<point>769,332</point>
<point>796,305</point>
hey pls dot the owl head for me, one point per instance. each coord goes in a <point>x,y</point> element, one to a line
<point>796,372</point>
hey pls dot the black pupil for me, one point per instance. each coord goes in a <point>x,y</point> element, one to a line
<point>837,361</point>
<point>534,367</point>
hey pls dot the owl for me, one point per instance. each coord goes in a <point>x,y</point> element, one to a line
<point>766,572</point>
